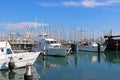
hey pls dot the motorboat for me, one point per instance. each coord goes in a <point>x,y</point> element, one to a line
<point>51,46</point>
<point>20,59</point>
<point>91,47</point>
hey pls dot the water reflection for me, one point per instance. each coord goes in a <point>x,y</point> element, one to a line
<point>80,66</point>
<point>51,63</point>
<point>16,74</point>
<point>90,56</point>
<point>11,75</point>
<point>112,57</point>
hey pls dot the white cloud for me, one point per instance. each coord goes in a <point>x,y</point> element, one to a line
<point>84,3</point>
<point>113,1</point>
<point>92,3</point>
<point>71,3</point>
<point>95,3</point>
<point>32,24</point>
<point>47,4</point>
<point>21,25</point>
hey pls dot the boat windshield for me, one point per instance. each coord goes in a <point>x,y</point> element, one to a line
<point>53,42</point>
<point>9,51</point>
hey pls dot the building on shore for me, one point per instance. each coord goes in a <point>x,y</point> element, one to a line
<point>112,42</point>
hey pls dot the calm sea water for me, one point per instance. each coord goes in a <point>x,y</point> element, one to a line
<point>80,66</point>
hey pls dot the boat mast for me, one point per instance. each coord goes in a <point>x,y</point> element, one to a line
<point>43,31</point>
<point>9,33</point>
<point>81,34</point>
<point>35,28</point>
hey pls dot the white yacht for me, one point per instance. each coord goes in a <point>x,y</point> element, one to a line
<point>19,59</point>
<point>52,47</point>
<point>91,47</point>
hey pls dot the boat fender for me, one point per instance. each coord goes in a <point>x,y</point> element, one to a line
<point>11,64</point>
<point>28,75</point>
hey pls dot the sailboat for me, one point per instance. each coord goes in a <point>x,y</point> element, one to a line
<point>20,59</point>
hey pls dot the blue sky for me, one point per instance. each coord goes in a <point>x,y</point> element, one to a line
<point>92,15</point>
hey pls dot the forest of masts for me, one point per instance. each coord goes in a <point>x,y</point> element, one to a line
<point>61,33</point>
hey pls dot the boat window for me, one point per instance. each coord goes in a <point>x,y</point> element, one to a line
<point>9,51</point>
<point>47,42</point>
<point>85,44</point>
<point>53,42</point>
<point>2,50</point>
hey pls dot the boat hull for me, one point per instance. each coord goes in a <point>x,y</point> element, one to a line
<point>91,49</point>
<point>20,59</point>
<point>57,51</point>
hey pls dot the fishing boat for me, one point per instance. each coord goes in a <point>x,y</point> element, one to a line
<point>91,47</point>
<point>8,57</point>
<point>52,47</point>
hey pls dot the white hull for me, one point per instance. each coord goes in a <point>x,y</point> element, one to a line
<point>91,49</point>
<point>20,59</point>
<point>52,47</point>
<point>57,51</point>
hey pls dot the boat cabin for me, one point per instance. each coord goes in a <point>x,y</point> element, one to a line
<point>5,48</point>
<point>49,43</point>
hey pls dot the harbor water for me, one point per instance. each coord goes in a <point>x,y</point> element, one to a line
<point>78,66</point>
